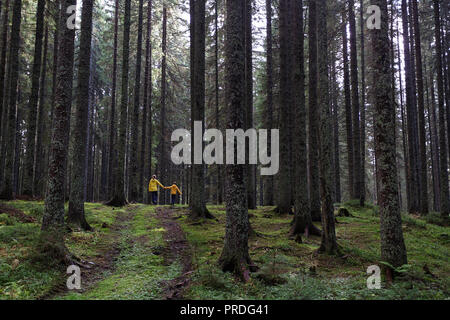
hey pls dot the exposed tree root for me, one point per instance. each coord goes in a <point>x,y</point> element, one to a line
<point>116,202</point>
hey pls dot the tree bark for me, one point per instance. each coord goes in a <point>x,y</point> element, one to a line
<point>39,154</point>
<point>314,183</point>
<point>444,194</point>
<point>76,215</point>
<point>53,218</point>
<point>393,248</point>
<point>302,218</point>
<point>112,158</point>
<point>328,243</point>
<point>250,169</point>
<point>268,185</point>
<point>13,77</point>
<point>119,198</point>
<point>355,103</point>
<point>348,110</point>
<point>133,185</point>
<point>411,120</point>
<point>235,256</point>
<point>362,196</point>
<point>33,101</point>
<point>146,145</point>
<point>198,30</point>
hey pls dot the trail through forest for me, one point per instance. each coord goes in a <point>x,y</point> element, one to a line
<point>178,249</point>
<point>107,268</point>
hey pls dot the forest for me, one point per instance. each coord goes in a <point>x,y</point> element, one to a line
<point>350,98</point>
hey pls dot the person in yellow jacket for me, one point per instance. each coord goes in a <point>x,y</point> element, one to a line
<point>173,192</point>
<point>153,189</point>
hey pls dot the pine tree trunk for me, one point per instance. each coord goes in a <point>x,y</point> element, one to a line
<point>393,248</point>
<point>235,257</point>
<point>41,132</point>
<point>76,216</point>
<point>112,158</point>
<point>133,185</point>
<point>348,110</point>
<point>421,111</point>
<point>410,112</point>
<point>13,77</point>
<point>362,196</point>
<point>119,198</point>
<point>146,154</point>
<point>33,101</point>
<point>250,169</point>
<point>314,183</point>
<point>284,199</point>
<point>444,192</point>
<point>355,103</point>
<point>337,152</point>
<point>198,30</point>
<point>328,243</point>
<point>4,44</point>
<point>268,180</point>
<point>53,218</point>
<point>217,113</point>
<point>294,28</point>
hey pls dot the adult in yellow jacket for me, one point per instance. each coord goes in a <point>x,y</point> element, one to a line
<point>153,189</point>
<point>174,190</point>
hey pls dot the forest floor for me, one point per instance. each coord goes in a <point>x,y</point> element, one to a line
<point>147,252</point>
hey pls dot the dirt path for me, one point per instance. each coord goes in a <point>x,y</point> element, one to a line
<point>178,249</point>
<point>96,266</point>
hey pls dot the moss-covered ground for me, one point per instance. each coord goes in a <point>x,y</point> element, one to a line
<point>131,247</point>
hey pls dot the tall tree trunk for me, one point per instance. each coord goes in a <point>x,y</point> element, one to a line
<point>355,102</point>
<point>268,180</point>
<point>119,198</point>
<point>13,77</point>
<point>112,158</point>
<point>433,145</point>
<point>445,198</point>
<point>328,244</point>
<point>41,131</point>
<point>217,112</point>
<point>53,218</point>
<point>393,248</point>
<point>411,112</point>
<point>348,109</point>
<point>250,169</point>
<point>294,28</point>
<point>235,256</point>
<point>404,136</point>
<point>362,196</point>
<point>162,163</point>
<point>133,185</point>
<point>284,199</point>
<point>421,111</point>
<point>3,54</point>
<point>198,30</point>
<point>314,184</point>
<point>33,101</point>
<point>76,216</point>
<point>146,145</point>
<point>337,152</point>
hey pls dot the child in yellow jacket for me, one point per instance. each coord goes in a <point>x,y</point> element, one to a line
<point>153,189</point>
<point>174,190</point>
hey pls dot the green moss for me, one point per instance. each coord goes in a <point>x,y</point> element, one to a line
<point>288,270</point>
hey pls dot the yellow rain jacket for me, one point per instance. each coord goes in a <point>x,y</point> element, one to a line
<point>153,185</point>
<point>173,189</point>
